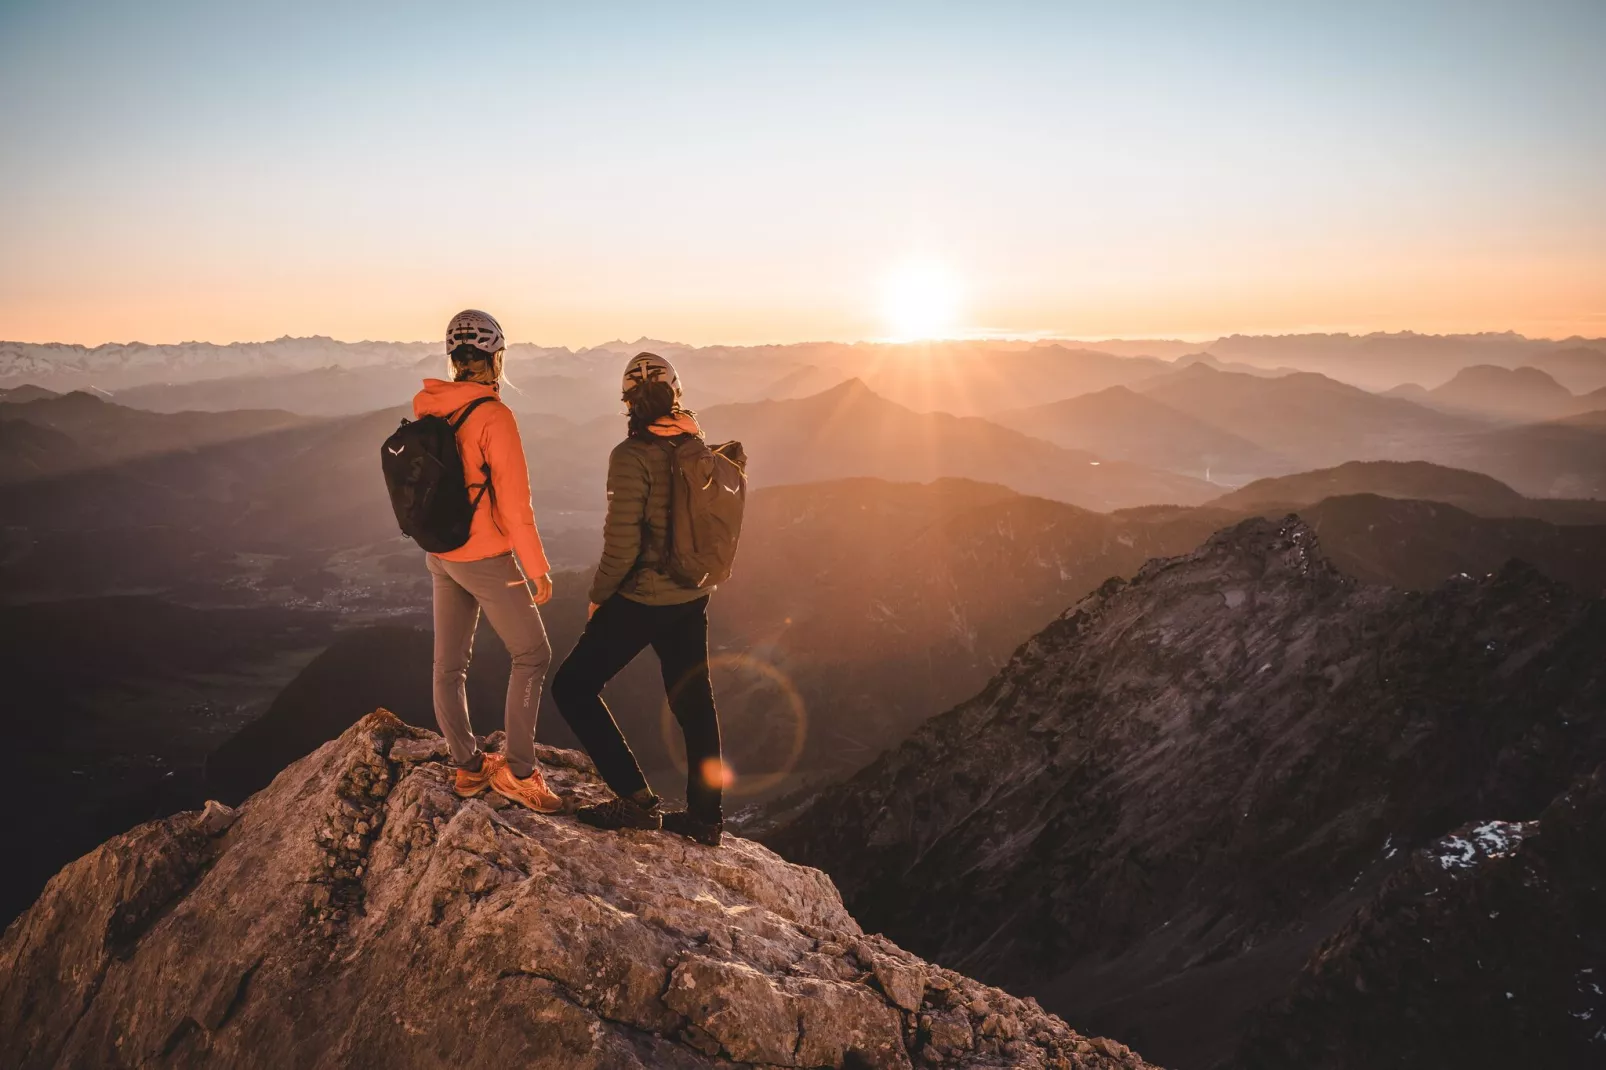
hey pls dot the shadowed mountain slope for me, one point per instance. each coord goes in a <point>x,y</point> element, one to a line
<point>357,912</point>
<point>976,379</point>
<point>1122,424</point>
<point>1418,545</point>
<point>1515,915</point>
<point>1472,491</point>
<point>15,395</point>
<point>1178,789</point>
<point>104,433</point>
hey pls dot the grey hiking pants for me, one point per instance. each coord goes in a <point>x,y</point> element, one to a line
<point>496,585</point>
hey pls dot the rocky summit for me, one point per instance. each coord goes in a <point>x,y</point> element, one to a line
<point>1169,797</point>
<point>356,912</point>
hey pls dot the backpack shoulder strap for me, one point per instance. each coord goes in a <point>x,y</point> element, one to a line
<point>464,413</point>
<point>484,486</point>
<point>666,545</point>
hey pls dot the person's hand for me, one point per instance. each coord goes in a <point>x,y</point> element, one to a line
<point>591,610</point>
<point>543,589</point>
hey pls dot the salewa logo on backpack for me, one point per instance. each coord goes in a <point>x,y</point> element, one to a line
<point>428,490</point>
<point>707,494</point>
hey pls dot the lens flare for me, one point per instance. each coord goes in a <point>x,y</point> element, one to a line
<point>717,774</point>
<point>724,773</point>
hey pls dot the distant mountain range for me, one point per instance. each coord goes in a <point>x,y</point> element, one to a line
<point>850,430</point>
<point>1312,420</point>
<point>948,376</point>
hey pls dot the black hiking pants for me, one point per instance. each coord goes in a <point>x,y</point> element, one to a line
<point>618,631</point>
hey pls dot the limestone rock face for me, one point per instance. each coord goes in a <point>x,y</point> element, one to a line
<point>358,913</point>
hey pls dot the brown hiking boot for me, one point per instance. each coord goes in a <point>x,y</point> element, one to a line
<point>470,783</point>
<point>530,791</point>
<point>682,823</point>
<point>623,813</point>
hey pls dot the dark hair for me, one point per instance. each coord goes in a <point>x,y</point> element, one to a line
<point>648,401</point>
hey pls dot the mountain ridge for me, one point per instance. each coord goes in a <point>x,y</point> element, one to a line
<point>1177,789</point>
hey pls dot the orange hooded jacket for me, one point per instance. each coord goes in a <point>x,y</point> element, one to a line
<point>490,436</point>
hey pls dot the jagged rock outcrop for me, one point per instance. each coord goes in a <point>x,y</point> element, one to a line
<point>1173,793</point>
<point>1488,948</point>
<point>358,913</point>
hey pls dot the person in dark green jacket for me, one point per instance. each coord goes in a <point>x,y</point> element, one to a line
<point>635,604</point>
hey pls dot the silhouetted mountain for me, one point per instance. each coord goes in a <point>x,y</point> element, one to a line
<point>1581,369</point>
<point>105,433</point>
<point>1175,792</point>
<point>1310,419</point>
<point>25,392</point>
<point>1392,479</point>
<point>1518,394</point>
<point>29,451</point>
<point>1514,913</point>
<point>1472,491</point>
<point>1123,425</point>
<point>1190,359</point>
<point>851,431</point>
<point>1556,459</point>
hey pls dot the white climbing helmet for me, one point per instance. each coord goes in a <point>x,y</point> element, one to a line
<point>475,328</point>
<point>650,368</point>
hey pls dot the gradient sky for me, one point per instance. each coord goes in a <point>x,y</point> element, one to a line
<point>752,172</point>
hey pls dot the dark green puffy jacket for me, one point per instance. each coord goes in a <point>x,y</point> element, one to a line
<point>633,534</point>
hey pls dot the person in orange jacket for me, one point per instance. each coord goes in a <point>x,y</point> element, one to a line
<point>493,571</point>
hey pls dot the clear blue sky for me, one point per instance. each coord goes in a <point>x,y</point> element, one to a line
<point>747,172</point>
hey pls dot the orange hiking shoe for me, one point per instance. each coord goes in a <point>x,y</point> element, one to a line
<point>531,791</point>
<point>470,784</point>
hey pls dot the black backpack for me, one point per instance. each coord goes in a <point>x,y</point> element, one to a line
<point>424,474</point>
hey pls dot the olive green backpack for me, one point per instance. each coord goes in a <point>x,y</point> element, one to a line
<point>707,493</point>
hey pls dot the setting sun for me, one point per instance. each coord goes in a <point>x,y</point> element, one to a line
<point>920,300</point>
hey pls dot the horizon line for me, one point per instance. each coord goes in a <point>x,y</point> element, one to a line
<point>1029,338</point>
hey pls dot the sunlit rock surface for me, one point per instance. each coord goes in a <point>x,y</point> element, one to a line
<point>357,913</point>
